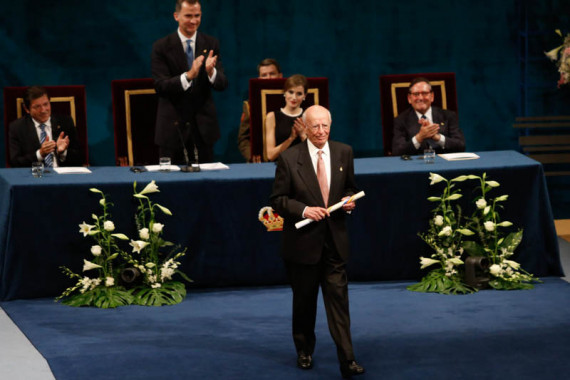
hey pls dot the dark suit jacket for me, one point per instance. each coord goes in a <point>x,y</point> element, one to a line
<point>406,126</point>
<point>177,108</point>
<point>296,187</point>
<point>24,141</point>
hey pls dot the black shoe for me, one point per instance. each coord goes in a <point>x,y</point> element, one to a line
<point>304,361</point>
<point>351,368</point>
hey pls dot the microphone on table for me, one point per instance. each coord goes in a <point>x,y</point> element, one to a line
<point>189,168</point>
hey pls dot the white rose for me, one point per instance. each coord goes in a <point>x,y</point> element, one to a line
<point>157,227</point>
<point>489,226</point>
<point>481,203</point>
<point>445,231</point>
<point>109,226</point>
<point>96,250</point>
<point>143,233</point>
<point>109,281</point>
<point>438,220</point>
<point>495,269</point>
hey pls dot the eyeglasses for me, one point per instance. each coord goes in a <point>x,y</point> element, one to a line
<point>315,128</point>
<point>423,93</point>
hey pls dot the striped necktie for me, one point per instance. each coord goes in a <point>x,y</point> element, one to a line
<point>48,160</point>
<point>189,53</point>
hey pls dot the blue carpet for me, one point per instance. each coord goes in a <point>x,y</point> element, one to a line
<point>245,334</point>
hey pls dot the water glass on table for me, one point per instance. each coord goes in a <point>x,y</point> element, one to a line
<point>38,169</point>
<point>164,163</point>
<point>429,155</point>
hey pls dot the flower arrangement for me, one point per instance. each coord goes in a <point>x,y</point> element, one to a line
<point>102,284</point>
<point>102,289</point>
<point>156,268</point>
<point>561,55</point>
<point>444,236</point>
<point>453,237</point>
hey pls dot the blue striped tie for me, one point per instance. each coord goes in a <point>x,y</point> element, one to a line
<point>189,53</point>
<point>48,160</point>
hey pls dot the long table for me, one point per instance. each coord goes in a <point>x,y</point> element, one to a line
<point>215,216</point>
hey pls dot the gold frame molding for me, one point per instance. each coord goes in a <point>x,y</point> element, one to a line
<point>264,94</point>
<point>128,121</point>
<point>56,99</point>
<point>437,83</point>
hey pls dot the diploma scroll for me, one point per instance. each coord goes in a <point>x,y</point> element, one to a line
<point>332,208</point>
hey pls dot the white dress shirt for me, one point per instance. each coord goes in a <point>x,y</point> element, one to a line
<point>186,84</point>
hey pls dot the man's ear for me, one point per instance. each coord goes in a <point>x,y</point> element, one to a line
<point>26,109</point>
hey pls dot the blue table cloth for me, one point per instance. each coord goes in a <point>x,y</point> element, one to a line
<point>215,216</point>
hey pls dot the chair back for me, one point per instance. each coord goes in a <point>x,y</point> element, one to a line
<point>65,100</point>
<point>134,119</point>
<point>394,98</point>
<point>266,95</point>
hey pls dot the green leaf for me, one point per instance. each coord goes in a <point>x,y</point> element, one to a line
<point>101,297</point>
<point>473,249</point>
<point>170,293</point>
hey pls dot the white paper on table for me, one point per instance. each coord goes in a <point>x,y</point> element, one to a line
<point>214,166</point>
<point>332,208</point>
<point>156,168</point>
<point>458,156</point>
<point>72,170</point>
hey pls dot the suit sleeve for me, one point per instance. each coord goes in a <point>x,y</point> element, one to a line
<point>282,197</point>
<point>244,143</point>
<point>20,155</point>
<point>74,155</point>
<point>221,81</point>
<point>166,81</point>
<point>454,139</point>
<point>402,141</point>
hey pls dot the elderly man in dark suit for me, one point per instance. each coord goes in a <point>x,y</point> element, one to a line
<point>39,136</point>
<point>186,66</point>
<point>309,177</point>
<point>423,126</point>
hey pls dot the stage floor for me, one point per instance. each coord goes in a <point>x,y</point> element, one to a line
<point>382,339</point>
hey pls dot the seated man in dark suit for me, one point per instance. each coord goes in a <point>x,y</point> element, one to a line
<point>425,126</point>
<point>39,136</point>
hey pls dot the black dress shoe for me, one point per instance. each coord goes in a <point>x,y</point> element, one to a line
<point>350,369</point>
<point>304,361</point>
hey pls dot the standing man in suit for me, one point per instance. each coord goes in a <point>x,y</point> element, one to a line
<point>423,125</point>
<point>186,66</point>
<point>267,69</point>
<point>310,177</point>
<point>39,136</point>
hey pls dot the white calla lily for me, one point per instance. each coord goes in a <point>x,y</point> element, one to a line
<point>150,188</point>
<point>435,178</point>
<point>426,262</point>
<point>88,265</point>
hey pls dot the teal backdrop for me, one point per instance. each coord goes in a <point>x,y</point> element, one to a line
<point>352,43</point>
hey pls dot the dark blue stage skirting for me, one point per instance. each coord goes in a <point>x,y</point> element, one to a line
<point>245,334</point>
<point>215,216</point>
